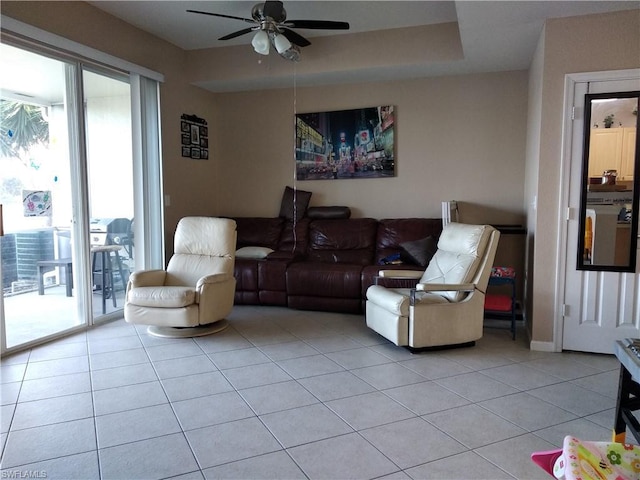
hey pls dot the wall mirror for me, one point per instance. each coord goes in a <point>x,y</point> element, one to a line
<point>610,183</point>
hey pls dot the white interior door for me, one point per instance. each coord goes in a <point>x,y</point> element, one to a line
<point>599,307</point>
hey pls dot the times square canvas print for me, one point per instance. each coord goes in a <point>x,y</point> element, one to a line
<point>345,144</point>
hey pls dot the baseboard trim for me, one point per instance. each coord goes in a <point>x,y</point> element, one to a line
<point>542,346</point>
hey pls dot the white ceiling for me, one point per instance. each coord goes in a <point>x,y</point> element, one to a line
<point>496,35</point>
<point>507,30</point>
<point>503,20</point>
<point>170,20</point>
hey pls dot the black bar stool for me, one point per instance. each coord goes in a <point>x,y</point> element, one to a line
<point>107,254</point>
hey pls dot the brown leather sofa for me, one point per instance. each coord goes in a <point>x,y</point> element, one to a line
<point>323,264</point>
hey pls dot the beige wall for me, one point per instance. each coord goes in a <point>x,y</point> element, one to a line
<point>332,58</point>
<point>576,44</point>
<point>457,138</point>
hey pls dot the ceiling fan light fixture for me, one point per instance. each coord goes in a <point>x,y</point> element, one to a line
<point>281,43</point>
<point>260,42</point>
<point>292,54</point>
<point>269,20</point>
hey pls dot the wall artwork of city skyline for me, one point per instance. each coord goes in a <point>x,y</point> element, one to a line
<point>346,144</point>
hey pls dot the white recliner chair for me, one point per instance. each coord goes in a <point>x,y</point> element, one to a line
<point>195,293</point>
<point>447,305</point>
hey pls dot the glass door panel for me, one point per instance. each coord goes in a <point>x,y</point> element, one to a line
<point>107,103</point>
<point>36,254</point>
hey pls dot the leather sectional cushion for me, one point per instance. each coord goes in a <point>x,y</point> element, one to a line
<point>259,232</point>
<point>393,232</point>
<point>313,279</point>
<point>245,271</point>
<point>420,251</point>
<point>295,237</point>
<point>343,241</point>
<point>294,203</point>
<point>316,213</point>
<point>271,274</point>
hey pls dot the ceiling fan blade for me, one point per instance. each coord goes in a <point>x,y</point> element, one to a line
<point>223,16</point>
<point>237,34</point>
<point>317,24</point>
<point>295,38</point>
<point>273,9</point>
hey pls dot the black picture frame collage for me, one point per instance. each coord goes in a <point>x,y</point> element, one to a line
<point>194,137</point>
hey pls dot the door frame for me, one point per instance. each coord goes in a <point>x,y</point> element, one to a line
<point>564,212</point>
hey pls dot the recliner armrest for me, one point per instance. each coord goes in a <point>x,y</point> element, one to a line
<point>400,274</point>
<point>439,287</point>
<point>147,278</point>
<point>397,278</point>
<point>214,278</point>
<point>445,287</point>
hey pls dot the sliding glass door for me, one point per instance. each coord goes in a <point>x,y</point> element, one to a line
<point>107,106</point>
<point>72,181</point>
<point>36,185</point>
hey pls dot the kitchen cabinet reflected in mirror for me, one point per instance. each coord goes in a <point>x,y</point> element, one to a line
<point>610,180</point>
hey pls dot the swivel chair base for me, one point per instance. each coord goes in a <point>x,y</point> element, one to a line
<point>187,332</point>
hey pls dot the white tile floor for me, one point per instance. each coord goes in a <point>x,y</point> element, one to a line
<point>290,394</point>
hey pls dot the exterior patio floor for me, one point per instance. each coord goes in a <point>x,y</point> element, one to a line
<point>30,316</point>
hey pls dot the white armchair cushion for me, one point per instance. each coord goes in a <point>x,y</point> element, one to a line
<point>162,297</point>
<point>457,258</point>
<point>198,237</point>
<point>395,301</point>
<point>188,269</point>
<point>464,238</point>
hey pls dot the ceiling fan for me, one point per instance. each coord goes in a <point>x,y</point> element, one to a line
<point>270,23</point>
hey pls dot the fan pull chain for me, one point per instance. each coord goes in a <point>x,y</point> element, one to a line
<point>295,185</point>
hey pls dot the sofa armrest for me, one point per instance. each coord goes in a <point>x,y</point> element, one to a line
<point>147,278</point>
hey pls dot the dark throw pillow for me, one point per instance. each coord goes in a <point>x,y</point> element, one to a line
<point>420,251</point>
<point>299,199</point>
